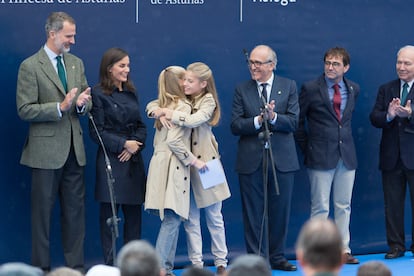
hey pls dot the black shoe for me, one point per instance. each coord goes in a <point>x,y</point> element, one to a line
<point>284,265</point>
<point>349,259</point>
<point>394,253</point>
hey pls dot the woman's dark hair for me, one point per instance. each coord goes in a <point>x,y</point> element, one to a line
<point>109,58</point>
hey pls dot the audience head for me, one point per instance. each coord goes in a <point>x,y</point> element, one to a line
<point>103,270</point>
<point>319,247</point>
<point>19,269</point>
<point>64,271</point>
<point>197,271</point>
<point>139,258</point>
<point>199,80</point>
<point>249,265</point>
<point>374,268</point>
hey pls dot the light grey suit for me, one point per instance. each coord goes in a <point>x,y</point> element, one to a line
<point>54,150</point>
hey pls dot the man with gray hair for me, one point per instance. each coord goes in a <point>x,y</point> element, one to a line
<point>319,248</point>
<point>374,268</point>
<point>52,93</point>
<point>249,265</point>
<point>392,113</point>
<point>265,111</point>
<point>139,258</point>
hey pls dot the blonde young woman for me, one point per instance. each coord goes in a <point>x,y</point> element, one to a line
<point>200,87</point>
<point>168,182</point>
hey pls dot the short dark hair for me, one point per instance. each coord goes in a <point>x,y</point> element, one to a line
<point>338,52</point>
<point>321,244</point>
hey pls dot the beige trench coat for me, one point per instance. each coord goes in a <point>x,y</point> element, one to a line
<point>168,181</point>
<point>204,146</point>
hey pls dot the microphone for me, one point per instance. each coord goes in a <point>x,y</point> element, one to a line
<point>246,55</point>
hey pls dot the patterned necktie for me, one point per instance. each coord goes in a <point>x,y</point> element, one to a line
<point>264,91</point>
<point>404,94</point>
<point>337,101</point>
<point>61,72</point>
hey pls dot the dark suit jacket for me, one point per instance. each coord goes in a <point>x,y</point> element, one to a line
<point>39,89</point>
<point>246,105</point>
<point>322,139</point>
<point>397,139</point>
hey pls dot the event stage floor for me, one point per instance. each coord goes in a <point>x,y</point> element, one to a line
<point>403,266</point>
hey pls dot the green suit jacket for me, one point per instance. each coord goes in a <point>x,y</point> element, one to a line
<point>39,89</point>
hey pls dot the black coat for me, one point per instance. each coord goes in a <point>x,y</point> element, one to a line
<point>397,140</point>
<point>117,117</point>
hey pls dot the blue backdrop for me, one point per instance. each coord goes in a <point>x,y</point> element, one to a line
<point>158,33</point>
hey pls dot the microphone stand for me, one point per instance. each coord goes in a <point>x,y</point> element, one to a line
<point>265,136</point>
<point>267,154</point>
<point>112,222</point>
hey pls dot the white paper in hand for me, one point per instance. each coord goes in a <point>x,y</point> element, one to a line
<point>214,175</point>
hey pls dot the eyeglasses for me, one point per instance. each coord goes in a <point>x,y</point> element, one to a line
<point>258,63</point>
<point>334,64</point>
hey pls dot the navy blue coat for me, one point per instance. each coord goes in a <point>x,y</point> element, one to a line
<point>321,137</point>
<point>117,117</point>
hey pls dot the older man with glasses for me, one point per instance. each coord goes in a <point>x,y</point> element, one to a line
<point>265,113</point>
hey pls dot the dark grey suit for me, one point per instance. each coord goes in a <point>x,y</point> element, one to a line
<point>54,150</point>
<point>396,162</point>
<point>246,105</point>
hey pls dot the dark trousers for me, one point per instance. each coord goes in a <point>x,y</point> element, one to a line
<point>67,184</point>
<point>394,185</point>
<point>252,196</point>
<point>132,226</point>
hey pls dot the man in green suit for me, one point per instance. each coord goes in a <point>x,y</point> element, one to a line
<point>52,92</point>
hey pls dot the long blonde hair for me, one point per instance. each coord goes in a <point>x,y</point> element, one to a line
<point>204,73</point>
<point>170,89</point>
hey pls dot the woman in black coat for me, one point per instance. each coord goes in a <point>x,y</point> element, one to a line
<point>117,117</point>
